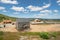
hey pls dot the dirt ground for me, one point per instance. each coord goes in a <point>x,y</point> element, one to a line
<point>33,28</point>
<point>9,28</point>
<point>44,27</point>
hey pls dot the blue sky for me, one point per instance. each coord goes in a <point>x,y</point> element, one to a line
<point>49,9</point>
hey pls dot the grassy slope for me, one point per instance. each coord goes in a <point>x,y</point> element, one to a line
<point>4,17</point>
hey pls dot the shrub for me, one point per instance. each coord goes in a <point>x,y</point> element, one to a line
<point>44,35</point>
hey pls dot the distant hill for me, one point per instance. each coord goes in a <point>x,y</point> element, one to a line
<point>45,20</point>
<point>4,17</point>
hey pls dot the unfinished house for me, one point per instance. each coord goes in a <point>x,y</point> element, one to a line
<point>23,24</point>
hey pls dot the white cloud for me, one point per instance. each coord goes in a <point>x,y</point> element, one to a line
<point>18,8</point>
<point>34,8</point>
<point>26,11</point>
<point>41,15</point>
<point>2,8</point>
<point>58,2</point>
<point>45,11</point>
<point>16,13</point>
<point>9,1</point>
<point>47,14</point>
<point>55,11</point>
<point>4,11</point>
<point>46,6</point>
<point>37,8</point>
<point>30,8</point>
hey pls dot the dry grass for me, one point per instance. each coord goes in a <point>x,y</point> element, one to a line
<point>11,36</point>
<point>16,35</point>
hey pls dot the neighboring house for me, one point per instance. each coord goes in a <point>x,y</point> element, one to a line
<point>37,21</point>
<point>1,25</point>
<point>7,21</point>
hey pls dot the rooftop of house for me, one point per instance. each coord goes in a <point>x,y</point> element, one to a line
<point>7,21</point>
<point>23,20</point>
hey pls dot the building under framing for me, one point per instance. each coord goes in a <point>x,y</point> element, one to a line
<point>23,24</point>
